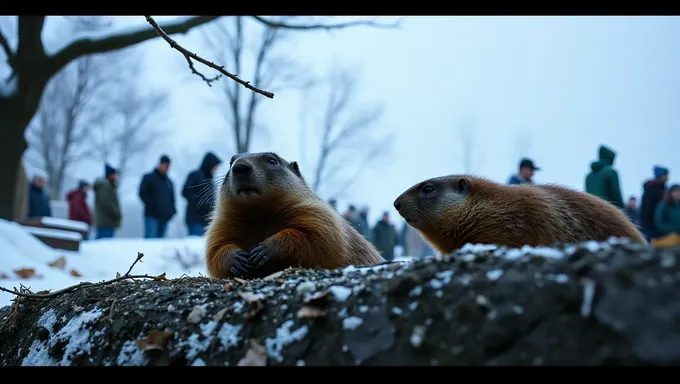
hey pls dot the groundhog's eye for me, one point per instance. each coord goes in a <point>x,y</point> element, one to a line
<point>428,189</point>
<point>273,162</point>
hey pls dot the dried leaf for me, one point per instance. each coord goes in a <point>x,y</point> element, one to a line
<point>160,277</point>
<point>255,309</point>
<point>155,339</point>
<point>219,315</point>
<point>274,275</point>
<point>197,313</point>
<point>280,280</point>
<point>255,357</point>
<point>250,297</point>
<point>229,286</point>
<point>75,273</point>
<point>25,272</point>
<point>59,263</point>
<point>3,276</point>
<point>309,311</point>
<point>239,280</point>
<point>77,308</point>
<point>43,292</point>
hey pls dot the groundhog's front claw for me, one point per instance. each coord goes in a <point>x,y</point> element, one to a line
<point>260,255</point>
<point>240,266</point>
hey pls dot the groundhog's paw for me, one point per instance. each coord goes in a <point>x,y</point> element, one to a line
<point>240,266</point>
<point>261,255</point>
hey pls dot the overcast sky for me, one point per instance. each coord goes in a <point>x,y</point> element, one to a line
<point>568,84</point>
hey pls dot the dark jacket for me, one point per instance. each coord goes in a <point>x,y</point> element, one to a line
<point>385,237</point>
<point>158,195</point>
<point>106,206</point>
<point>77,207</point>
<point>516,180</point>
<point>197,190</point>
<point>667,218</point>
<point>603,181</point>
<point>38,202</point>
<point>633,214</point>
<point>652,195</point>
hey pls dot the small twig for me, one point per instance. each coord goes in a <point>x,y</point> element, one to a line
<point>139,258</point>
<point>190,55</point>
<point>8,49</point>
<point>75,287</point>
<point>202,76</point>
<point>327,27</point>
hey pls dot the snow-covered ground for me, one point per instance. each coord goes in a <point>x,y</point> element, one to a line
<point>95,261</point>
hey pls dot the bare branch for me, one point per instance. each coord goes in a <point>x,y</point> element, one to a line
<point>190,55</point>
<point>88,46</point>
<point>327,27</point>
<point>7,49</point>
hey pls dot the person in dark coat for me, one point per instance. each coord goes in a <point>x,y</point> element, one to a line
<point>363,226</point>
<point>77,205</point>
<point>653,193</point>
<point>632,211</point>
<point>38,200</point>
<point>603,180</point>
<point>107,214</point>
<point>526,172</point>
<point>158,195</point>
<point>385,237</point>
<point>200,194</point>
<point>667,215</point>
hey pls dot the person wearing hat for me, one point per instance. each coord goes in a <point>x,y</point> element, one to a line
<point>653,193</point>
<point>385,237</point>
<point>107,215</point>
<point>526,172</point>
<point>77,205</point>
<point>38,200</point>
<point>158,195</point>
<point>603,180</point>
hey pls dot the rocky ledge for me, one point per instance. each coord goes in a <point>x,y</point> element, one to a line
<point>587,304</point>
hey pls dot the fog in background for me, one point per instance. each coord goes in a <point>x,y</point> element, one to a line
<point>451,95</point>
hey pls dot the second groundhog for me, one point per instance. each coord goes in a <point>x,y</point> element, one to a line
<point>451,211</point>
<point>267,219</point>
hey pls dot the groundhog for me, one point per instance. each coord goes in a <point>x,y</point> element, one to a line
<point>266,219</point>
<point>451,211</point>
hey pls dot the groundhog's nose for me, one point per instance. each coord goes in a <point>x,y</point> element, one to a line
<point>241,169</point>
<point>397,205</point>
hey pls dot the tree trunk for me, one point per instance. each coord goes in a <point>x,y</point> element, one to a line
<point>612,304</point>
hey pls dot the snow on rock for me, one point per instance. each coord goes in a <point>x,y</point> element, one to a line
<point>340,293</point>
<point>284,336</point>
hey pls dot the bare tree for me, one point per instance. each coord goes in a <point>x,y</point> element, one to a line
<point>31,68</point>
<point>470,155</point>
<point>264,63</point>
<point>348,132</point>
<point>133,128</point>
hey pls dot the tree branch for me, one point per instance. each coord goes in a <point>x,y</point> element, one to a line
<point>189,56</point>
<point>88,46</point>
<point>327,27</point>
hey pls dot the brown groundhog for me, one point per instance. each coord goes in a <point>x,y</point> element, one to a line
<point>451,211</point>
<point>267,219</point>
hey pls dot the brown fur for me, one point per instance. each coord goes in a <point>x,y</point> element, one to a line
<point>301,229</point>
<point>466,209</point>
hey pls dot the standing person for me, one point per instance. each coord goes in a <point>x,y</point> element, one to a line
<point>351,217</point>
<point>107,213</point>
<point>526,172</point>
<point>632,212</point>
<point>77,205</point>
<point>362,220</point>
<point>667,219</point>
<point>653,194</point>
<point>199,192</point>
<point>385,237</point>
<point>603,180</point>
<point>158,195</point>
<point>38,200</point>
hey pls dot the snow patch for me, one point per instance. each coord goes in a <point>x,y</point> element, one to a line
<point>477,248</point>
<point>74,333</point>
<point>546,252</point>
<point>340,293</point>
<point>229,335</point>
<point>284,337</point>
<point>131,355</point>
<point>494,274</point>
<point>351,322</point>
<point>65,224</point>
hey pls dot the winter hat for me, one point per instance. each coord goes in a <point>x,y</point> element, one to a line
<point>82,183</point>
<point>660,171</point>
<point>165,159</point>
<point>109,170</point>
<point>674,187</point>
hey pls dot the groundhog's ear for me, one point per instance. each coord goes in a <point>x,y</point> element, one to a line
<point>295,168</point>
<point>463,184</point>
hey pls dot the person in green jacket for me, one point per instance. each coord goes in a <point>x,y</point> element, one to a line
<point>667,216</point>
<point>603,180</point>
<point>107,214</point>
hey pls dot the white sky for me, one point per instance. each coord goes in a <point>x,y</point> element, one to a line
<point>570,83</point>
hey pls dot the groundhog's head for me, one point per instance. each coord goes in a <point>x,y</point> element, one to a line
<point>427,205</point>
<point>255,175</point>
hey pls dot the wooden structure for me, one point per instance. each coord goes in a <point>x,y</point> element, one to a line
<point>55,232</point>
